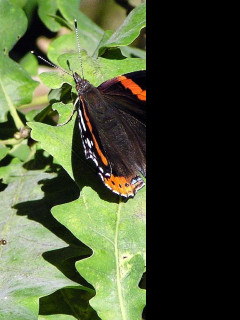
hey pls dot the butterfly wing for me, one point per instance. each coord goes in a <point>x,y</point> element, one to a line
<point>130,88</point>
<point>92,145</point>
<point>112,123</point>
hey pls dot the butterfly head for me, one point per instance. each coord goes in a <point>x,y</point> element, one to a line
<point>82,85</point>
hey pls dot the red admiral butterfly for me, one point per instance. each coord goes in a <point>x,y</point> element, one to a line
<point>111,119</point>
<point>112,123</point>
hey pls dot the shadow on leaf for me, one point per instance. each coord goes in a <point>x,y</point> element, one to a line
<point>57,191</point>
<point>69,301</point>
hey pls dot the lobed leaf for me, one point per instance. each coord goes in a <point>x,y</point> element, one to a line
<point>26,224</point>
<point>125,270</point>
<point>57,141</point>
<point>95,70</point>
<point>116,234</point>
<point>113,231</point>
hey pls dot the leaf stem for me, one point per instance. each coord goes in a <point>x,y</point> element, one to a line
<point>18,122</point>
<point>11,141</point>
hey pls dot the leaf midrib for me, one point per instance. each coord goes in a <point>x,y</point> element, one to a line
<point>12,109</point>
<point>119,287</point>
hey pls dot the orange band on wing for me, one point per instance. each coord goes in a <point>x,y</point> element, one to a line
<point>103,158</point>
<point>123,185</point>
<point>133,86</point>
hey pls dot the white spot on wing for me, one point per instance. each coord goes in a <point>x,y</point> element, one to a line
<point>81,119</point>
<point>88,142</point>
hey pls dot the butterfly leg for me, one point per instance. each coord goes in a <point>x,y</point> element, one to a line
<point>70,118</point>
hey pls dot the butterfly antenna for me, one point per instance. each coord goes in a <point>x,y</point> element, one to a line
<point>51,64</point>
<point>78,43</point>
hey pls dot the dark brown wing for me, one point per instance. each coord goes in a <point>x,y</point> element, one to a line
<point>131,88</point>
<point>115,135</point>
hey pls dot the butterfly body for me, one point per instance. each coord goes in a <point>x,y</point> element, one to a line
<point>111,119</point>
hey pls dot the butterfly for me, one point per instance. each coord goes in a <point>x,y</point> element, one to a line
<point>112,122</point>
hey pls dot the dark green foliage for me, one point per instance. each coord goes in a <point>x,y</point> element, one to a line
<point>73,249</point>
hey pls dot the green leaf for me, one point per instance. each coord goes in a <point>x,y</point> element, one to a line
<point>47,9</point>
<point>30,63</point>
<point>132,51</point>
<point>57,141</point>
<point>101,218</point>
<point>129,30</point>
<point>16,86</point>
<point>123,256</point>
<point>59,317</point>
<point>90,34</point>
<point>38,115</point>
<point>64,44</point>
<point>3,151</point>
<point>68,7</point>
<point>55,80</point>
<point>107,34</point>
<point>28,227</point>
<point>19,3</point>
<point>116,234</point>
<point>70,11</point>
<point>29,8</point>
<point>95,70</point>
<point>10,31</point>
<point>64,110</point>
<point>68,44</point>
<point>91,39</point>
<point>20,151</point>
